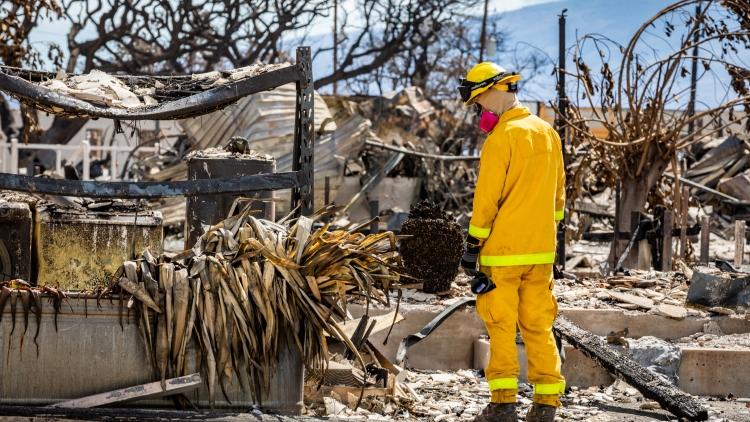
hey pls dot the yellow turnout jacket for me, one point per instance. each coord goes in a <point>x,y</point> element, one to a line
<point>520,193</point>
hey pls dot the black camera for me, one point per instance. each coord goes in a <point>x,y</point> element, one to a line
<point>481,284</point>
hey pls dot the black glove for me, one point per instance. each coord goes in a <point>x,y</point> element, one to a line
<point>469,258</point>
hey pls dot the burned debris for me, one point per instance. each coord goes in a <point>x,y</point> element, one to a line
<point>432,252</point>
<point>310,237</point>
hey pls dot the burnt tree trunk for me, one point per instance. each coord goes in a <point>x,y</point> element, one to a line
<point>634,195</point>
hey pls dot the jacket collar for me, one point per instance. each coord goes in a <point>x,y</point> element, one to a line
<point>514,113</point>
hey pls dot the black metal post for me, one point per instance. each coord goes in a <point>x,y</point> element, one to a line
<point>304,136</point>
<point>562,98</point>
<point>328,190</point>
<point>694,74</point>
<point>562,104</point>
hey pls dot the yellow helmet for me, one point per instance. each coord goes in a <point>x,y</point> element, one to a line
<point>483,76</point>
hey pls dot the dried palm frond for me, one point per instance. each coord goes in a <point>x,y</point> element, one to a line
<point>248,281</point>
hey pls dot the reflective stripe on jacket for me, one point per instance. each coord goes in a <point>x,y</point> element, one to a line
<point>520,193</point>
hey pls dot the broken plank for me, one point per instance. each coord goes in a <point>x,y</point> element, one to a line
<point>633,299</point>
<point>381,323</point>
<point>646,382</point>
<point>139,392</point>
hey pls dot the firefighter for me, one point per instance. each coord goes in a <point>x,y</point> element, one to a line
<point>518,201</point>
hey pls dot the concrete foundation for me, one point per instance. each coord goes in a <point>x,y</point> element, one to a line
<point>456,345</point>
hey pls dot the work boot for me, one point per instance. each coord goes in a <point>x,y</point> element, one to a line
<point>498,412</point>
<point>541,413</point>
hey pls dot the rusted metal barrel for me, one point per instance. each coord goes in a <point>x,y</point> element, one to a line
<point>210,210</point>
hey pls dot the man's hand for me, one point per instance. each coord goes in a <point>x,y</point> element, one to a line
<point>469,258</point>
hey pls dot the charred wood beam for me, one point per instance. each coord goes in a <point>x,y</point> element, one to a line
<point>226,185</point>
<point>646,382</point>
<point>422,154</point>
<point>194,105</point>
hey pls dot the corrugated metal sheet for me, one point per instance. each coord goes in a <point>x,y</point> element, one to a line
<point>266,119</point>
<point>257,117</point>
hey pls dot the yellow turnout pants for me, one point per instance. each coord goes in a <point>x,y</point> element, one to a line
<point>523,296</point>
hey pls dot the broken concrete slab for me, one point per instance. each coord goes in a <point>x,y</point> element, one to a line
<point>671,311</point>
<point>632,299</point>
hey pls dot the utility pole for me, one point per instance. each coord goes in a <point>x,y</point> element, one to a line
<point>335,41</point>
<point>562,105</point>
<point>694,72</point>
<point>562,99</point>
<point>484,32</point>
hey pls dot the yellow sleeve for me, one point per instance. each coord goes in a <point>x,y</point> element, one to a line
<point>560,191</point>
<point>493,169</point>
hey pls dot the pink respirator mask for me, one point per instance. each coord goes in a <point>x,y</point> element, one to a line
<point>488,121</point>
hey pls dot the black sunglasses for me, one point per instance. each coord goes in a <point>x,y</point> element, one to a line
<point>467,87</point>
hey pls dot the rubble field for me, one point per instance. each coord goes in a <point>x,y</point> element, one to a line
<point>460,396</point>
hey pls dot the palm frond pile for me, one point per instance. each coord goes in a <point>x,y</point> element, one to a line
<point>247,282</point>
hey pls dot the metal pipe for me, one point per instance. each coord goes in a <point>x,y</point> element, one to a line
<point>422,154</point>
<point>701,187</point>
